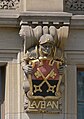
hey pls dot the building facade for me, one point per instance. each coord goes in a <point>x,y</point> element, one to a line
<point>66,14</point>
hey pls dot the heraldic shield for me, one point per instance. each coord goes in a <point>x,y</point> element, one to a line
<point>45,79</point>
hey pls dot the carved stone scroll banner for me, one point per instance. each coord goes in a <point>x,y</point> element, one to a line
<point>43,66</point>
<point>74,5</point>
<point>9,4</point>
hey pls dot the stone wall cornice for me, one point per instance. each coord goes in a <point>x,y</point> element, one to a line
<point>56,17</point>
<point>77,22</point>
<point>35,13</point>
<point>13,20</point>
<point>8,19</point>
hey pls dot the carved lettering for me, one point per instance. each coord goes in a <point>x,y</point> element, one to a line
<point>43,104</point>
<point>56,105</point>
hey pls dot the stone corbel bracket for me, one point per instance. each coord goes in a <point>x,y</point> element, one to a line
<point>34,25</point>
<point>60,20</point>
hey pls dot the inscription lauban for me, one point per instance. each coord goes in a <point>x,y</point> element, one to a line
<point>49,106</point>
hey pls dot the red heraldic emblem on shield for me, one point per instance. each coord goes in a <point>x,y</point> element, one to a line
<point>45,77</point>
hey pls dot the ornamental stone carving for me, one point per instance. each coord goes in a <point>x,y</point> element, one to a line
<point>9,4</point>
<point>74,5</point>
<point>43,66</point>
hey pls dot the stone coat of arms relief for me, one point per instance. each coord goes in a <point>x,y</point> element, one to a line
<point>43,65</point>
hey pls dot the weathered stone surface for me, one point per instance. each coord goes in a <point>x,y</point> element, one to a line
<point>43,5</point>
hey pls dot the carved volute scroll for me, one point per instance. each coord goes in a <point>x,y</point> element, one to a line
<point>9,4</point>
<point>43,66</point>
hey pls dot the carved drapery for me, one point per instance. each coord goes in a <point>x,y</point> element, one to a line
<point>9,4</point>
<point>74,5</point>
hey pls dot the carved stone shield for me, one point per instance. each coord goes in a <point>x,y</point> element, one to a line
<point>44,82</point>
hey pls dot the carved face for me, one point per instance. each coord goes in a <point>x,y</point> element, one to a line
<point>46,49</point>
